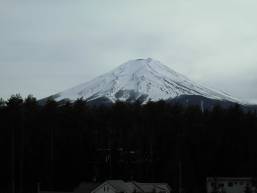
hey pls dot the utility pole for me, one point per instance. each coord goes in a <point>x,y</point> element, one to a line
<point>107,159</point>
<point>38,187</point>
<point>52,157</point>
<point>21,163</point>
<point>151,160</point>
<point>13,160</point>
<point>180,138</point>
<point>110,162</point>
<point>152,153</point>
<point>202,106</point>
<point>180,177</point>
<point>110,152</point>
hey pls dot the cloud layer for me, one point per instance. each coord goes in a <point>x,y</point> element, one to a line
<point>51,45</point>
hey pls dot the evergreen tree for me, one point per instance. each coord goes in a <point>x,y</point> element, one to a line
<point>247,189</point>
<point>60,145</point>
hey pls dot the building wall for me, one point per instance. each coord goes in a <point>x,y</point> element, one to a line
<point>229,185</point>
<point>104,188</point>
<point>159,190</point>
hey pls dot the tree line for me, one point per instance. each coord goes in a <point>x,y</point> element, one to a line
<point>60,146</point>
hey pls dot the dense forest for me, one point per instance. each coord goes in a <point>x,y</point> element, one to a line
<point>60,146</point>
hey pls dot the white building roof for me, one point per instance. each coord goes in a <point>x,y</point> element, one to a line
<point>132,187</point>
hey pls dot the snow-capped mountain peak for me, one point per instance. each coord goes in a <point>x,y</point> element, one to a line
<point>140,79</point>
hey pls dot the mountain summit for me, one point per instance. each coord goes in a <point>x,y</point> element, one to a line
<point>140,80</point>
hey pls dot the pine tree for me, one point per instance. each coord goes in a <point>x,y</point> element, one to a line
<point>247,189</point>
<point>2,103</point>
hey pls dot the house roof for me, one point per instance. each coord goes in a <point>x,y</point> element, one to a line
<point>150,187</point>
<point>86,187</point>
<point>135,187</point>
<point>53,192</point>
<point>131,187</point>
<point>229,179</point>
<point>121,186</point>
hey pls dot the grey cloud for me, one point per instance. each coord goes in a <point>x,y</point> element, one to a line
<point>50,45</point>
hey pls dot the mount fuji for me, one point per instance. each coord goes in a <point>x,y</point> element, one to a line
<point>141,80</point>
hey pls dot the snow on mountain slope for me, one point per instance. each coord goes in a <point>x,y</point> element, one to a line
<point>144,79</point>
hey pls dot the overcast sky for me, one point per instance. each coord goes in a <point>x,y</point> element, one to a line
<point>47,46</point>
